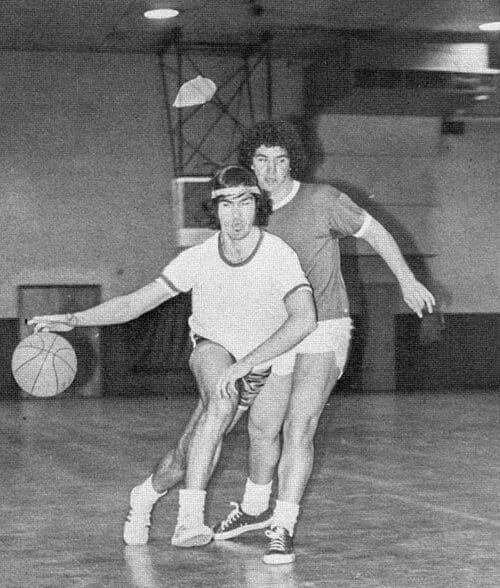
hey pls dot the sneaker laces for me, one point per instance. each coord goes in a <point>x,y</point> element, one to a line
<point>277,537</point>
<point>232,517</point>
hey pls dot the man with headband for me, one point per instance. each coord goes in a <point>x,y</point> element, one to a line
<point>251,304</point>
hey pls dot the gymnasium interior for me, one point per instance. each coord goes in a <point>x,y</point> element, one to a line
<point>399,106</point>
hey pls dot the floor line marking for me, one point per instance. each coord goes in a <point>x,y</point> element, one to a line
<point>417,502</point>
<point>444,509</point>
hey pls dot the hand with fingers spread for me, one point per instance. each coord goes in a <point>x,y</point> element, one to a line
<point>54,322</point>
<point>248,387</point>
<point>417,297</point>
<point>226,385</point>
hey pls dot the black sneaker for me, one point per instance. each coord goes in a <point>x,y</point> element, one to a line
<point>280,550</point>
<point>237,522</point>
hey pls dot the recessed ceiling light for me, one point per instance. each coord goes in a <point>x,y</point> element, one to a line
<point>161,13</point>
<point>490,26</point>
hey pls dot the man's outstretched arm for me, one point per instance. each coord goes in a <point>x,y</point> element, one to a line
<point>415,294</point>
<point>120,309</point>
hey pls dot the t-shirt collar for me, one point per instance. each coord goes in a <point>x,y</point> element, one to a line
<point>244,261</point>
<point>291,195</point>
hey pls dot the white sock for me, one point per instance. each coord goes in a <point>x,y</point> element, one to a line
<point>148,489</point>
<point>285,515</point>
<point>145,493</point>
<point>191,506</point>
<point>256,497</point>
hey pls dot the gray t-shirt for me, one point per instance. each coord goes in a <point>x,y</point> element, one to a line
<point>312,223</point>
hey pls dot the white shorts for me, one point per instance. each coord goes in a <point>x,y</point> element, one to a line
<point>330,336</point>
<point>281,366</point>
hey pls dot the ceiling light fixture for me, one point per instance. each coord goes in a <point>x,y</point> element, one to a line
<point>490,26</point>
<point>481,97</point>
<point>161,13</point>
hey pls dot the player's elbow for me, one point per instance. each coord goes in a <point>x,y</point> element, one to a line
<point>310,316</point>
<point>304,323</point>
<point>308,321</point>
<point>302,311</point>
<point>311,324</point>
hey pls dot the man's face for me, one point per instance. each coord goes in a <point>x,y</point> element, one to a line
<point>271,165</point>
<point>237,215</point>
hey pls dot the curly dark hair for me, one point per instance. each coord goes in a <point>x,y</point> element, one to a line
<point>275,133</point>
<point>233,176</point>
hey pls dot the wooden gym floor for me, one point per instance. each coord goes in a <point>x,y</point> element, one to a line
<point>405,493</point>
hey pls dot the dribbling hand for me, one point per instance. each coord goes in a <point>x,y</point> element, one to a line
<point>53,322</point>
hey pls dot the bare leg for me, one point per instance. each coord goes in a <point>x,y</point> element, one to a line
<point>315,376</point>
<point>172,468</point>
<point>207,362</point>
<point>264,426</point>
<point>169,472</point>
<point>204,446</point>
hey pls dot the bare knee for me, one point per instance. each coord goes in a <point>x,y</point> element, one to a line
<point>262,432</point>
<point>219,409</point>
<point>205,352</point>
<point>300,429</point>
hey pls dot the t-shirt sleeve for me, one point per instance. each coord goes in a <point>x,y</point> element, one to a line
<point>345,217</point>
<point>181,272</point>
<point>287,271</point>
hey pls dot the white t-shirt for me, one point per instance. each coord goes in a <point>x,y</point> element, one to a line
<point>238,305</point>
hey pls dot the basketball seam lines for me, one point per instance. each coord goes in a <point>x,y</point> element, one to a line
<point>39,372</point>
<point>41,367</point>
<point>28,360</point>
<point>29,346</point>
<point>53,356</point>
<point>55,373</point>
<point>49,352</point>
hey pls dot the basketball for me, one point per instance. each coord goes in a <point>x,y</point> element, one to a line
<point>44,364</point>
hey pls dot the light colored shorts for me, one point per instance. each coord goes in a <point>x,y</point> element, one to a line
<point>281,366</point>
<point>330,336</point>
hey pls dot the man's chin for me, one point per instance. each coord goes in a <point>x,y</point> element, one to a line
<point>237,235</point>
<point>272,187</point>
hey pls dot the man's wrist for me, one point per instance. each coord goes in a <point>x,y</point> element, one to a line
<point>72,319</point>
<point>406,278</point>
<point>245,364</point>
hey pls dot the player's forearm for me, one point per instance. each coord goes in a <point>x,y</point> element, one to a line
<point>112,312</point>
<point>292,331</point>
<point>122,309</point>
<point>384,244</point>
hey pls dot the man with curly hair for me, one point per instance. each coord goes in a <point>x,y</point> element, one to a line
<point>311,218</point>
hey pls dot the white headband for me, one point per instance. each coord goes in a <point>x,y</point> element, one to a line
<point>236,191</point>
